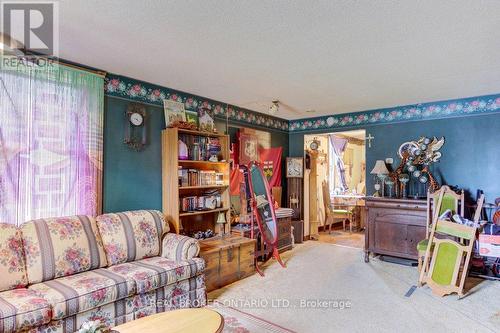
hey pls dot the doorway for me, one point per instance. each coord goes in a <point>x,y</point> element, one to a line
<point>339,171</point>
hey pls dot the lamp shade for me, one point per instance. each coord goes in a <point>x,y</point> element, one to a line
<point>221,218</point>
<point>380,168</point>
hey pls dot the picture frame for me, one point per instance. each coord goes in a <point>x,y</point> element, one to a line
<point>249,148</point>
<point>206,120</point>
<point>174,112</point>
<point>192,117</point>
<point>295,167</point>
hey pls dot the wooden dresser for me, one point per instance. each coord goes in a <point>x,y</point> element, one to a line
<point>284,234</point>
<point>394,226</point>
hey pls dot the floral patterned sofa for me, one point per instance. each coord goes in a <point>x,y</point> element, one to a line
<point>57,273</point>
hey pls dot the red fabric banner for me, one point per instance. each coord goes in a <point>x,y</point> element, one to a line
<point>270,160</point>
<point>235,180</point>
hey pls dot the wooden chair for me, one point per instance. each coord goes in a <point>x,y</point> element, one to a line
<point>479,208</point>
<point>335,212</point>
<point>435,207</point>
<point>445,273</point>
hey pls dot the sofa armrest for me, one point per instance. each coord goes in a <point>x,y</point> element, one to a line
<point>178,247</point>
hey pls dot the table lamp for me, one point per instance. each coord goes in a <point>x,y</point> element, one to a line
<point>221,221</point>
<point>380,169</point>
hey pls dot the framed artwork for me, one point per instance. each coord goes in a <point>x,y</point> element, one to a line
<point>206,120</point>
<point>174,112</point>
<point>294,167</point>
<point>192,117</point>
<point>249,148</point>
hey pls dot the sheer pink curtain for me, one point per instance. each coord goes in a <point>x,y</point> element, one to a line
<point>337,148</point>
<point>51,125</point>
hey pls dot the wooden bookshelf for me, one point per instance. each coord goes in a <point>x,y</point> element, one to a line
<point>188,222</point>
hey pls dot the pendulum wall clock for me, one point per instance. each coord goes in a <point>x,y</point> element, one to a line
<point>135,126</point>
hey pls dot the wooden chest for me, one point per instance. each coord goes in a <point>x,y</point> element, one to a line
<point>395,226</point>
<point>228,259</point>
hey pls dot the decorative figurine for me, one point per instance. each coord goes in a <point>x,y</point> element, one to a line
<point>404,178</point>
<point>416,157</point>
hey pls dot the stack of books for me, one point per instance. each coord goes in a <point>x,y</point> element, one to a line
<point>199,203</point>
<point>194,177</point>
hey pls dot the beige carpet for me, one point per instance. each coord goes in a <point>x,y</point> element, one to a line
<point>375,293</point>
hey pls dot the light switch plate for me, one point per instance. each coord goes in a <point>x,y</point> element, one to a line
<point>389,160</point>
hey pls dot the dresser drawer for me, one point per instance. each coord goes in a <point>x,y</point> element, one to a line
<point>398,216</point>
<point>403,205</point>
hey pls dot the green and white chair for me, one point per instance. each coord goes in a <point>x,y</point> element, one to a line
<point>437,204</point>
<point>446,261</point>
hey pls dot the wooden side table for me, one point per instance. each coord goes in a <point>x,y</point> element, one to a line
<point>200,320</point>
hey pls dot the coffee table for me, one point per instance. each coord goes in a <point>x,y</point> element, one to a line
<point>200,320</point>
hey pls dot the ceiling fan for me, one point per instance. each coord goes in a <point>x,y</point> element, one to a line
<point>276,105</point>
<point>273,107</point>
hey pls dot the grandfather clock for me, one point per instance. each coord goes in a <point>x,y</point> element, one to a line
<point>313,196</point>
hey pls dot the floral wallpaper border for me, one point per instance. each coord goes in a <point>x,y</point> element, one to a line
<point>424,111</point>
<point>120,86</point>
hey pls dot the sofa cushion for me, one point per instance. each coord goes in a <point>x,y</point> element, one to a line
<point>145,279</point>
<point>12,267</point>
<point>21,309</point>
<point>78,293</point>
<point>178,247</point>
<point>133,235</point>
<point>171,271</point>
<point>61,246</point>
<point>156,272</point>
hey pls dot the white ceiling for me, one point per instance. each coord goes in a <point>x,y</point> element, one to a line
<point>328,56</point>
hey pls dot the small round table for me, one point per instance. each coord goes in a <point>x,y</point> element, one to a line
<point>200,320</point>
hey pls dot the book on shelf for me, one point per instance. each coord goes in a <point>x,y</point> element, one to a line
<point>199,203</point>
<point>194,177</point>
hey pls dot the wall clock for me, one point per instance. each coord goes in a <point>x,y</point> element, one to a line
<point>409,146</point>
<point>135,126</point>
<point>314,145</point>
<point>295,167</point>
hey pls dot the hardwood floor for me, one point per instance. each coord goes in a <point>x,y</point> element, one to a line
<point>343,238</point>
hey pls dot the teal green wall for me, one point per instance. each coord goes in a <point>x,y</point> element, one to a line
<point>471,154</point>
<point>132,180</point>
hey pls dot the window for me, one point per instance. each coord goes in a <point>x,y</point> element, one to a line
<point>51,127</point>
